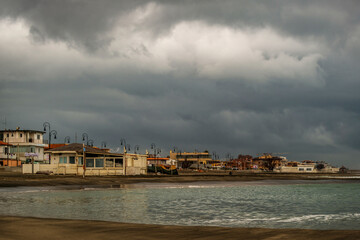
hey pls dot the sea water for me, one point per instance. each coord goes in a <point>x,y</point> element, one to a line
<point>267,204</point>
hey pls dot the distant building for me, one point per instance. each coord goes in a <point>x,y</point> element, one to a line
<point>192,159</point>
<point>306,166</point>
<point>268,162</point>
<point>242,162</point>
<point>75,158</point>
<point>158,161</point>
<point>26,144</point>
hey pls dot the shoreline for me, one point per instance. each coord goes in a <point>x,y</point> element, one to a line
<point>49,228</point>
<point>9,179</point>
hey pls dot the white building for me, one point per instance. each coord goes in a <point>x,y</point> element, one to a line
<point>26,144</point>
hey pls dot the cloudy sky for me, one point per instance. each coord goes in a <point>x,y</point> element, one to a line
<point>227,76</point>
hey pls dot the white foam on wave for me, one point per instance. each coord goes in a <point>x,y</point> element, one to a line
<point>321,217</point>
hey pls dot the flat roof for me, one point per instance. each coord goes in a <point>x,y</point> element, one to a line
<point>21,130</point>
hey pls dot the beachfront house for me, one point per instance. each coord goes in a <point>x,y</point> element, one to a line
<point>76,158</point>
<point>27,145</point>
<point>192,159</point>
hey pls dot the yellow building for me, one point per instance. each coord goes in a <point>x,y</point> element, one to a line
<point>191,159</point>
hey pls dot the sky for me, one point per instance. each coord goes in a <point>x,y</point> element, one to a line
<point>237,77</point>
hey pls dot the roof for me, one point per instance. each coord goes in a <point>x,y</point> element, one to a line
<point>21,130</point>
<point>5,144</point>
<point>55,145</point>
<point>78,147</point>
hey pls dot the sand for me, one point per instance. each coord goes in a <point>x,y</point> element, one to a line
<point>8,179</point>
<point>38,228</point>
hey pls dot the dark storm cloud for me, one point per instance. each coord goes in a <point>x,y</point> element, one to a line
<point>229,76</point>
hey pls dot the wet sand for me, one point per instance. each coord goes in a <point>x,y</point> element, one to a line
<point>18,179</point>
<point>38,228</point>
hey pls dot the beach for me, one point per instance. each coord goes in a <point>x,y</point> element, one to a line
<point>51,228</point>
<point>38,228</point>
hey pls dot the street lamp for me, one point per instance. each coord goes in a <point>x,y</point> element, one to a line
<point>123,143</point>
<point>85,135</point>
<point>136,149</point>
<point>67,139</point>
<point>53,132</point>
<point>153,146</point>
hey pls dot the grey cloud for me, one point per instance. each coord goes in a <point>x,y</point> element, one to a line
<point>113,100</point>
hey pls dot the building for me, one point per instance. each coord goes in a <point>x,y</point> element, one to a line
<point>242,162</point>
<point>307,166</point>
<point>7,158</point>
<point>192,159</point>
<point>27,145</point>
<point>158,161</point>
<point>268,162</point>
<point>77,159</point>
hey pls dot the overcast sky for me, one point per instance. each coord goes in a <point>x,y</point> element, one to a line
<point>228,76</point>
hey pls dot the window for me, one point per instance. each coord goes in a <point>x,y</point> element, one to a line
<point>89,162</point>
<point>80,161</point>
<point>21,135</point>
<point>118,162</point>
<point>99,162</point>
<point>38,137</point>
<point>309,169</point>
<point>109,162</point>
<point>72,160</point>
<point>7,135</point>
<point>301,169</point>
<point>63,160</point>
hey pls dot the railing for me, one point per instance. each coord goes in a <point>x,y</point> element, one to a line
<point>7,156</point>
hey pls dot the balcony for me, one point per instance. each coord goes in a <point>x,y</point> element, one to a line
<point>7,156</point>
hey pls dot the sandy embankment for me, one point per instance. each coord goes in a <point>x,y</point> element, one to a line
<point>37,228</point>
<point>18,179</point>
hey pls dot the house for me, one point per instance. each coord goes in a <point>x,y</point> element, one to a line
<point>307,166</point>
<point>268,162</point>
<point>79,159</point>
<point>242,162</point>
<point>27,145</point>
<point>191,159</point>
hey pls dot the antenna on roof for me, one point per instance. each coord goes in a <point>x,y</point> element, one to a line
<point>4,123</point>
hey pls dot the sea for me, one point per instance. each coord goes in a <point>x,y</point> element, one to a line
<point>304,204</point>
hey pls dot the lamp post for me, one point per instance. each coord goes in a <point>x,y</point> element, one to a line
<point>67,139</point>
<point>46,125</point>
<point>123,143</point>
<point>85,135</point>
<point>136,149</point>
<point>158,151</point>
<point>53,132</point>
<point>153,146</point>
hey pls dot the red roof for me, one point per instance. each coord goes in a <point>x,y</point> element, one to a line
<point>5,144</point>
<point>55,145</point>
